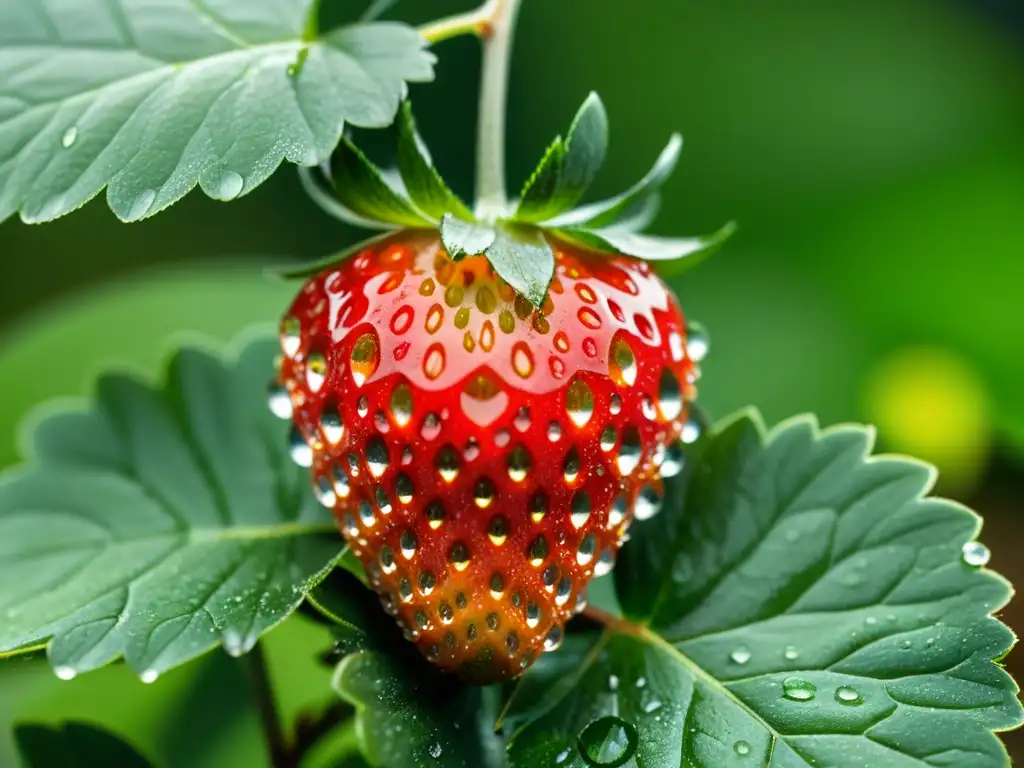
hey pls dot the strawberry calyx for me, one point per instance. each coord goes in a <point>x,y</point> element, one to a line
<point>521,244</point>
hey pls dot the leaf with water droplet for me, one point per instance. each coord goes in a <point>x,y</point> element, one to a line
<point>173,519</point>
<point>823,594</point>
<point>210,96</point>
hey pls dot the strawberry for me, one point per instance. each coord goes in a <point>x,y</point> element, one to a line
<point>484,459</point>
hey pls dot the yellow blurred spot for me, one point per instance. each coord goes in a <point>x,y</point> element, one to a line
<point>929,402</point>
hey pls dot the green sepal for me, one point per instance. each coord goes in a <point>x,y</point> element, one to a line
<point>308,270</point>
<point>674,255</point>
<point>360,186</point>
<point>524,259</point>
<point>426,189</point>
<point>313,183</point>
<point>608,212</point>
<point>463,238</point>
<point>569,167</point>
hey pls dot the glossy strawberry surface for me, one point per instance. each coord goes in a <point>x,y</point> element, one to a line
<point>485,460</point>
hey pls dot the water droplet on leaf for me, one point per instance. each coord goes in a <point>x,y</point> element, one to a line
<point>798,689</point>
<point>609,742</point>
<point>849,696</point>
<point>975,554</point>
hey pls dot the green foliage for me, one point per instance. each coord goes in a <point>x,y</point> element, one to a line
<point>426,188</point>
<point>149,100</point>
<point>74,744</point>
<point>360,187</point>
<point>464,238</point>
<point>524,259</point>
<point>569,167</point>
<point>159,523</point>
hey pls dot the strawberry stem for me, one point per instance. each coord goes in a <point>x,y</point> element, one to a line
<point>491,195</point>
<point>494,23</point>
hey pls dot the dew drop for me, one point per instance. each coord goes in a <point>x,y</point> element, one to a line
<point>670,396</point>
<point>484,493</point>
<point>975,554</point>
<point>365,357</point>
<point>617,512</point>
<point>571,466</point>
<point>630,451</point>
<point>376,456</point>
<point>554,431</point>
<point>553,639</point>
<point>538,552</point>
<point>278,400</point>
<point>605,563</point>
<point>70,137</point>
<point>299,449</point>
<point>579,402</point>
<point>519,464</point>
<point>849,696</point>
<point>741,748</point>
<point>538,506</point>
<point>522,360</point>
<point>698,344</point>
<point>740,655</point>
<point>436,751</point>
<point>580,509</point>
<point>608,439</point>
<point>228,186</point>
<point>408,544</point>
<point>798,689</point>
<point>691,431</point>
<point>791,653</point>
<point>331,426</point>
<point>648,503</point>
<point>431,426</point>
<point>447,463</point>
<point>458,556</point>
<point>674,458</point>
<point>66,673</point>
<point>652,706</point>
<point>613,683</point>
<point>622,364</point>
<point>325,493</point>
<point>497,530</point>
<point>587,548</point>
<point>291,335</point>
<point>316,371</point>
<point>149,677</point>
<point>435,514</point>
<point>608,742</point>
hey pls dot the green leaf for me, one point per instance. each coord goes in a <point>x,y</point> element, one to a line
<point>149,99</point>
<point>569,167</point>
<point>377,9</point>
<point>462,238</point>
<point>609,212</point>
<point>74,744</point>
<point>524,259</point>
<point>425,186</point>
<point>314,183</point>
<point>314,268</point>
<point>674,254</point>
<point>798,602</point>
<point>361,188</point>
<point>161,522</point>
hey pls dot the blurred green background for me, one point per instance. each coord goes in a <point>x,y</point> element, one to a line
<point>872,151</point>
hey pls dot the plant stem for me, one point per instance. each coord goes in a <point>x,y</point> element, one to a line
<point>494,22</point>
<point>491,197</point>
<point>476,22</point>
<point>266,704</point>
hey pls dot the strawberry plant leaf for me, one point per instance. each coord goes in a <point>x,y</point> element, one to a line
<point>798,602</point>
<point>161,522</point>
<point>569,167</point>
<point>315,183</point>
<point>426,188</point>
<point>409,714</point>
<point>524,259</point>
<point>73,744</point>
<point>377,9</point>
<point>609,212</point>
<point>462,238</point>
<point>360,186</point>
<point>150,99</point>
<point>674,255</point>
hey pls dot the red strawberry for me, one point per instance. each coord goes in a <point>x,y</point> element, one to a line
<point>485,460</point>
